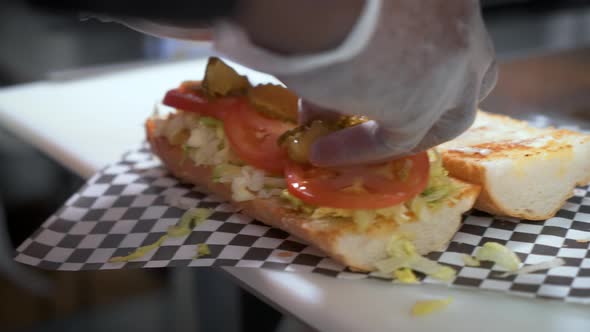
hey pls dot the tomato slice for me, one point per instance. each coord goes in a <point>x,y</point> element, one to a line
<point>254,138</point>
<point>195,101</point>
<point>360,187</point>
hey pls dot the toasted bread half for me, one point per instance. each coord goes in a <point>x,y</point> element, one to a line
<point>524,172</point>
<point>339,238</point>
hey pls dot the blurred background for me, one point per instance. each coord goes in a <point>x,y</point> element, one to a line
<point>543,48</point>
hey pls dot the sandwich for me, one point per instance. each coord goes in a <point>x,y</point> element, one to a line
<point>241,142</point>
<point>524,172</point>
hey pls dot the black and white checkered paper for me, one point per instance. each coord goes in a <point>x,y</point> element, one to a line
<point>127,206</point>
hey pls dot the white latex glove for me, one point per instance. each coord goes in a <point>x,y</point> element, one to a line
<point>417,68</point>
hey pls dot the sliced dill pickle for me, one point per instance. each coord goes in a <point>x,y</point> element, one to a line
<point>222,80</point>
<point>299,140</point>
<point>274,101</point>
<point>351,120</point>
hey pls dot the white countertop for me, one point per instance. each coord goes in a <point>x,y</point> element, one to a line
<point>88,123</point>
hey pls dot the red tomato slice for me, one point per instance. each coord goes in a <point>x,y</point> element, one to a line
<point>194,101</point>
<point>254,138</point>
<point>360,187</point>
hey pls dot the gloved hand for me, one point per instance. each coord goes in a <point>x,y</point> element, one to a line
<point>417,68</point>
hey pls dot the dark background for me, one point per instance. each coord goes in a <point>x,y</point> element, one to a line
<point>37,46</point>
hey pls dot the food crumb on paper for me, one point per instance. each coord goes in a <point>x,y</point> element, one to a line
<point>547,265</point>
<point>402,254</point>
<point>470,261</point>
<point>586,240</point>
<point>427,307</point>
<point>202,250</point>
<point>139,252</point>
<point>499,254</point>
<point>189,220</point>
<point>405,276</point>
<point>285,254</point>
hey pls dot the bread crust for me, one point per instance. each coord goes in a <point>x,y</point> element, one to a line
<point>514,151</point>
<point>340,239</point>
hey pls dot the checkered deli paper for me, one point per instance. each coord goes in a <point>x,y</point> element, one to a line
<point>126,206</point>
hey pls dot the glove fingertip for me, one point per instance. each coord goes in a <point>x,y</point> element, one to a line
<point>352,146</point>
<point>325,153</point>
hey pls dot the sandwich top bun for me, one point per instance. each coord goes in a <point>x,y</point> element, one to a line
<point>524,172</point>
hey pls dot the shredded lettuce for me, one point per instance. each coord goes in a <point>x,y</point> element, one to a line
<point>400,213</point>
<point>419,207</point>
<point>364,218</point>
<point>402,254</point>
<point>185,153</point>
<point>139,252</point>
<point>405,276</point>
<point>555,262</point>
<point>274,183</point>
<point>295,203</point>
<point>171,127</point>
<point>202,138</point>
<point>189,220</point>
<point>206,145</point>
<point>250,183</point>
<point>400,246</point>
<point>269,192</point>
<point>202,250</point>
<point>327,212</point>
<point>240,192</point>
<point>210,122</point>
<point>439,185</point>
<point>427,307</point>
<point>470,261</point>
<point>225,173</point>
<point>499,254</point>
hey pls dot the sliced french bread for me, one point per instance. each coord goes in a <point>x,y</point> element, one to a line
<point>339,238</point>
<point>524,172</point>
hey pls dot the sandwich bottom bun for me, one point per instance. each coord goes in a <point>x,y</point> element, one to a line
<point>339,238</point>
